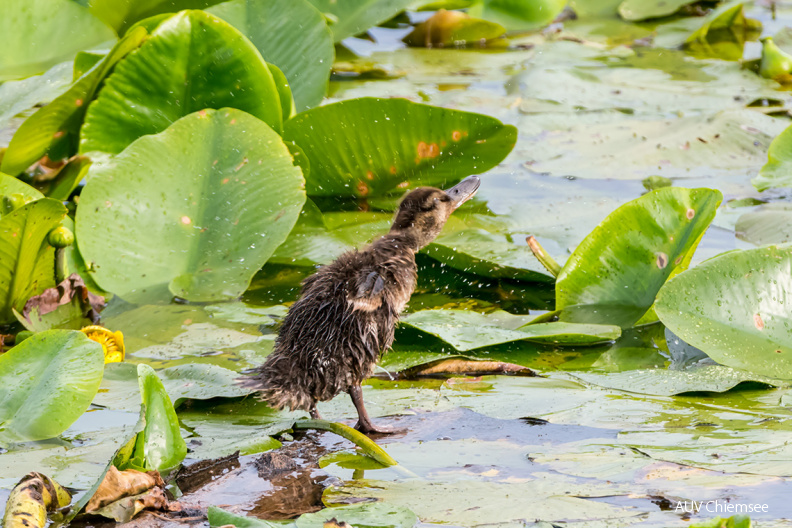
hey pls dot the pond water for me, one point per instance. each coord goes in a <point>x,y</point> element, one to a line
<point>603,437</point>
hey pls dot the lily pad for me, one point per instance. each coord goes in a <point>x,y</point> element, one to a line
<point>195,381</point>
<point>723,32</point>
<point>768,224</point>
<point>370,515</point>
<point>734,308</point>
<point>777,172</point>
<point>292,35</point>
<point>53,130</point>
<point>27,263</point>
<point>123,14</point>
<point>369,146</point>
<point>203,162</point>
<point>177,72</point>
<point>467,330</point>
<point>636,10</point>
<point>10,185</point>
<point>46,383</point>
<point>351,17</point>
<point>219,517</point>
<point>518,15</point>
<point>615,273</point>
<point>664,382</point>
<point>38,34</point>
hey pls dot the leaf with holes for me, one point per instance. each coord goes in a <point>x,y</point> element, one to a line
<point>369,146</point>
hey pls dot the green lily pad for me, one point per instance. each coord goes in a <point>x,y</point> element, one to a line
<point>768,224</point>
<point>518,15</point>
<point>219,517</point>
<point>723,32</point>
<point>27,263</point>
<point>46,383</point>
<point>351,17</point>
<point>370,515</point>
<point>10,185</point>
<point>777,172</point>
<point>38,34</point>
<point>177,72</point>
<point>734,308</point>
<point>18,96</point>
<point>467,330</point>
<point>194,381</point>
<point>53,130</point>
<point>615,273</point>
<point>636,10</point>
<point>389,143</point>
<point>489,255</point>
<point>665,382</point>
<point>203,162</point>
<point>291,34</point>
<point>163,445</point>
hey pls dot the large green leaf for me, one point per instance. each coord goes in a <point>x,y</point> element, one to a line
<point>46,383</point>
<point>163,445</point>
<point>10,185</point>
<point>351,17</point>
<point>53,130</point>
<point>219,517</point>
<point>191,61</point>
<point>158,213</point>
<point>614,274</point>
<point>38,34</point>
<point>735,307</point>
<point>777,172</point>
<point>518,15</point>
<point>122,14</point>
<point>27,261</point>
<point>467,330</point>
<point>292,35</point>
<point>369,146</point>
<point>368,514</point>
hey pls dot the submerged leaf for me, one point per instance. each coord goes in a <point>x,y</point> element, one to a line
<point>722,33</point>
<point>734,307</point>
<point>636,10</point>
<point>174,188</point>
<point>768,224</point>
<point>777,172</point>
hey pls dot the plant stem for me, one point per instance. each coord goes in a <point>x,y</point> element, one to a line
<point>543,256</point>
<point>356,437</point>
<point>61,267</point>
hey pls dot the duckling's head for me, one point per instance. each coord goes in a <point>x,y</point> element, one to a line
<point>424,211</point>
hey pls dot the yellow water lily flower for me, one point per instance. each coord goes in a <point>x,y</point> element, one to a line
<point>112,342</point>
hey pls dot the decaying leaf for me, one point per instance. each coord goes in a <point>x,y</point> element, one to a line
<point>119,484</point>
<point>69,304</point>
<point>466,366</point>
<point>31,499</point>
<point>124,510</point>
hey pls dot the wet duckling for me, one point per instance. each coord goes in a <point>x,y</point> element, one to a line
<point>345,318</point>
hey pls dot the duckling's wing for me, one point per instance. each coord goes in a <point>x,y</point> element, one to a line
<point>366,294</point>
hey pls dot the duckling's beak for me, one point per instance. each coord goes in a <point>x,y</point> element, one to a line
<point>464,190</point>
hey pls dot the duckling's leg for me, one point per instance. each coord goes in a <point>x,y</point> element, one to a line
<point>364,424</point>
<point>314,413</point>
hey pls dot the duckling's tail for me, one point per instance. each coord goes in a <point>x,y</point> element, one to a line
<point>277,391</point>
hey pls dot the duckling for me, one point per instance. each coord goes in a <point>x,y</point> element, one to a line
<point>334,334</point>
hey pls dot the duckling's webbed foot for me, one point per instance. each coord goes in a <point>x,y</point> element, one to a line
<point>364,424</point>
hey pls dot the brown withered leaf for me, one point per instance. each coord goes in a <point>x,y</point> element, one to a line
<point>74,304</point>
<point>119,484</point>
<point>125,509</point>
<point>466,366</point>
